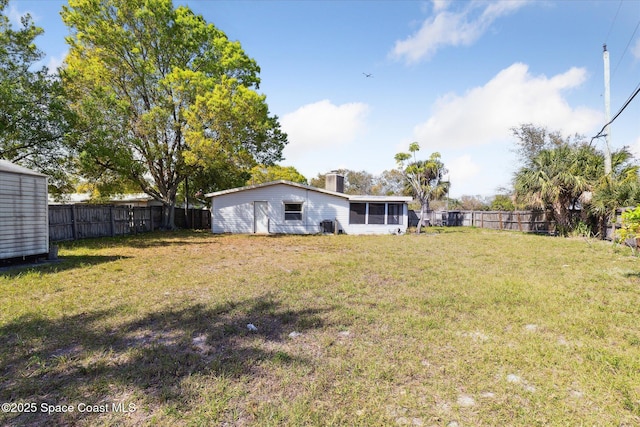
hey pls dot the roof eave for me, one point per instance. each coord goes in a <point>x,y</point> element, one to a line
<point>351,197</point>
<point>364,198</point>
<point>271,183</point>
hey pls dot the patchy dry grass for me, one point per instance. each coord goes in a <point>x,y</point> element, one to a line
<point>465,327</point>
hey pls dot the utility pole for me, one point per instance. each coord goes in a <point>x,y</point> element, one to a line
<point>607,134</point>
<point>607,112</point>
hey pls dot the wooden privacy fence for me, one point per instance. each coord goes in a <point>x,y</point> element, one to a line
<point>524,221</point>
<point>73,222</point>
<point>195,219</point>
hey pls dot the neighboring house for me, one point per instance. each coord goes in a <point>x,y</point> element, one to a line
<point>284,207</point>
<point>133,200</point>
<point>24,215</point>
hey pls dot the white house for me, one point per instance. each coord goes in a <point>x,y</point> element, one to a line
<point>284,207</point>
<point>24,214</point>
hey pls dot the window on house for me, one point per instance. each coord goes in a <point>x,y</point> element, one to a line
<point>357,213</point>
<point>293,211</point>
<point>376,213</point>
<point>394,213</point>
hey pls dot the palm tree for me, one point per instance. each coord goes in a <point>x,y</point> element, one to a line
<point>619,189</point>
<point>556,179</point>
<point>425,178</point>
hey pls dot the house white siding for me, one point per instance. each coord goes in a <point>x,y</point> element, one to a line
<point>24,215</point>
<point>234,211</point>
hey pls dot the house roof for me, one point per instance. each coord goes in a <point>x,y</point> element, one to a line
<point>7,166</point>
<point>352,197</point>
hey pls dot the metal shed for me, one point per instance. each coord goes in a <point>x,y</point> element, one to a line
<point>24,212</point>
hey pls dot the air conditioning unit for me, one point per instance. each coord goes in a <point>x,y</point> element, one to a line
<point>327,226</point>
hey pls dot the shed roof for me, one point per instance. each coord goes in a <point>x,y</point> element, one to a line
<point>7,166</point>
<point>362,198</point>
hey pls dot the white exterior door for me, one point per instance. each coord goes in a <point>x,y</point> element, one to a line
<point>261,217</point>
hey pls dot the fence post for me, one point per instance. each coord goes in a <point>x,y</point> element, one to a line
<point>74,225</point>
<point>113,221</point>
<point>519,221</point>
<point>132,220</point>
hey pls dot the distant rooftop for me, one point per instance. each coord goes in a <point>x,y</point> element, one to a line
<point>74,198</point>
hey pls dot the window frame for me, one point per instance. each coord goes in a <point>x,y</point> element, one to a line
<point>292,214</point>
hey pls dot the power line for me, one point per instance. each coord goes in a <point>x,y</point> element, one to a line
<point>626,49</point>
<point>626,104</point>
<point>606,39</point>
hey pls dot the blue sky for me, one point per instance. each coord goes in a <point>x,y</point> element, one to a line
<point>454,76</point>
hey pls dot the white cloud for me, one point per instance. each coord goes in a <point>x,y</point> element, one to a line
<point>514,96</point>
<point>55,62</point>
<point>439,5</point>
<point>323,124</point>
<point>635,148</point>
<point>635,49</point>
<point>15,15</point>
<point>463,170</point>
<point>452,28</point>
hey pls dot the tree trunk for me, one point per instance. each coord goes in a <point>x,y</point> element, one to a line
<point>186,203</point>
<point>424,208</point>
<point>168,217</point>
<point>561,215</point>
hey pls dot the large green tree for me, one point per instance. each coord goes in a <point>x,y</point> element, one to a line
<point>33,113</point>
<point>502,202</point>
<point>426,178</point>
<point>355,182</point>
<point>261,174</point>
<point>390,183</point>
<point>532,139</point>
<point>163,96</point>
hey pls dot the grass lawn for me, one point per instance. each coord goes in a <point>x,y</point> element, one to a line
<point>465,327</point>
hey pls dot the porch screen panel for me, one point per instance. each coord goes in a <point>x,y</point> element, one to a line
<point>376,213</point>
<point>394,215</point>
<point>357,213</point>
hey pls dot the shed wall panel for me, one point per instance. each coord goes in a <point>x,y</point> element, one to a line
<point>24,226</point>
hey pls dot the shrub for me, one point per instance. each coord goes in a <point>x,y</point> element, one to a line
<point>630,226</point>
